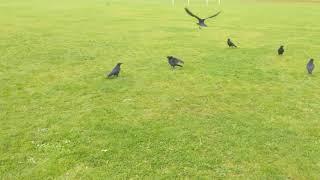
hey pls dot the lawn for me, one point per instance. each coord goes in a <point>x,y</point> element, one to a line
<point>241,113</point>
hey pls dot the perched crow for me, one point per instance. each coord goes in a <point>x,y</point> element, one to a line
<point>230,43</point>
<point>174,61</point>
<point>201,21</point>
<point>310,66</point>
<point>281,50</point>
<point>115,71</point>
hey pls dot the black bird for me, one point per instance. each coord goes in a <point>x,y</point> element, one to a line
<point>230,43</point>
<point>281,50</point>
<point>115,71</point>
<point>174,61</point>
<point>201,21</point>
<point>310,66</point>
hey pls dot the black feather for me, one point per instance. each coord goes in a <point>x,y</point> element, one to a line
<point>115,71</point>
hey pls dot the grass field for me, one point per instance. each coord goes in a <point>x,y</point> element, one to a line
<point>228,113</point>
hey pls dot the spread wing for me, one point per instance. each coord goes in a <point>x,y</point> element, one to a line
<point>214,15</point>
<point>191,14</point>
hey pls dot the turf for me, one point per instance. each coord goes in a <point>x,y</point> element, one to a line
<point>228,113</point>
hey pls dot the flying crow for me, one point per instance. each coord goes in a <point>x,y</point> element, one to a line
<point>201,21</point>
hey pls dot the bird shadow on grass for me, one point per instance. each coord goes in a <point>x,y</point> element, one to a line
<point>309,76</point>
<point>176,69</point>
<point>232,48</point>
<point>115,78</point>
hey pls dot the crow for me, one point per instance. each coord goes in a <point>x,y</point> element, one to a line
<point>230,43</point>
<point>310,66</point>
<point>281,50</point>
<point>174,61</point>
<point>201,21</point>
<point>115,71</point>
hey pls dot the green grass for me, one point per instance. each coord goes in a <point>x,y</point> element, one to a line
<point>229,113</point>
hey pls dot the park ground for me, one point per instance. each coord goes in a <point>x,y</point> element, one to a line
<point>241,113</point>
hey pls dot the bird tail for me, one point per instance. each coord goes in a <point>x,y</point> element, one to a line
<point>109,75</point>
<point>180,61</point>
